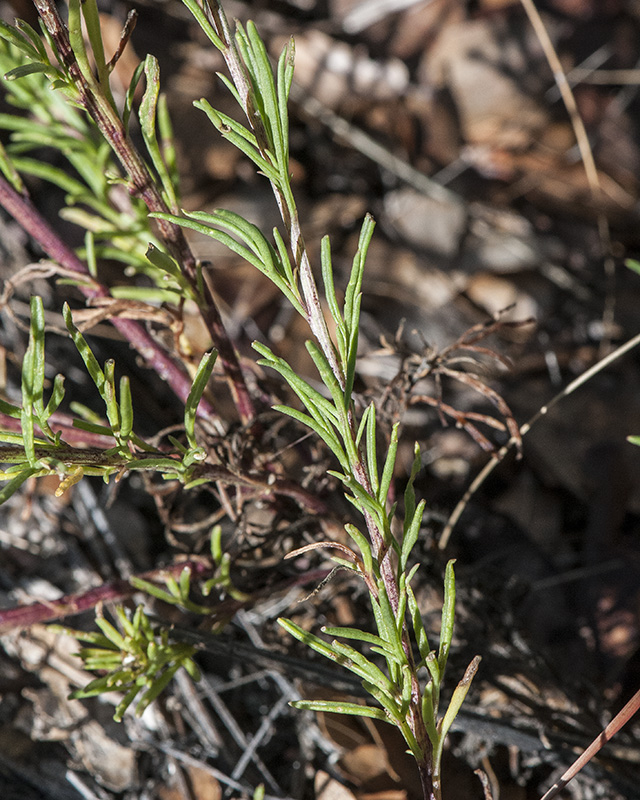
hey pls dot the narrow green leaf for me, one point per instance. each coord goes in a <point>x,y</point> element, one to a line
<point>160,464</point>
<point>362,425</point>
<point>91,363</point>
<point>9,409</point>
<point>407,687</point>
<point>372,453</point>
<point>357,272</point>
<point>390,628</point>
<point>125,622</point>
<point>92,427</point>
<point>200,381</point>
<point>15,483</point>
<point>109,396</point>
<point>448,615</point>
<point>156,688</point>
<point>361,666</point>
<point>309,396</point>
<point>431,664</point>
<point>363,545</point>
<point>232,89</point>
<point>402,603</point>
<point>26,69</point>
<point>164,261</point>
<point>389,466</point>
<point>266,94</point>
<point>130,95</point>
<point>95,687</point>
<point>330,706</point>
<point>292,290</point>
<point>312,641</point>
<point>258,66</point>
<point>167,142</point>
<point>361,498</point>
<point>459,694</point>
<point>410,536</point>
<point>124,704</point>
<point>76,39</point>
<point>30,373</point>
<point>147,114</point>
<point>419,631</point>
<point>34,37</point>
<point>55,175</point>
<point>249,233</point>
<point>10,34</point>
<point>327,279</point>
<point>111,632</point>
<point>93,637</point>
<point>324,433</point>
<point>220,236</point>
<point>285,79</point>
<point>94,34</point>
<point>192,669</point>
<point>409,492</point>
<point>152,589</point>
<point>389,704</point>
<point>328,378</point>
<point>126,408</point>
<point>148,294</point>
<point>201,18</point>
<point>10,172</point>
<point>90,254</point>
<point>57,396</point>
<point>356,634</point>
<point>429,716</point>
<point>240,137</point>
<point>185,583</point>
<point>37,342</point>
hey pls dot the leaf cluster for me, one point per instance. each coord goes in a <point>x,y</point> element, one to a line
<point>136,657</point>
<point>37,450</point>
<point>98,196</point>
<point>403,674</point>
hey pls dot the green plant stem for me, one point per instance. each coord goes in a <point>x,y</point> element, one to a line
<point>284,199</point>
<point>143,185</point>
<point>81,457</point>
<point>25,213</point>
<point>98,457</point>
<point>318,325</point>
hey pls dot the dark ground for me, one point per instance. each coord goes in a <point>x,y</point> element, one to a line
<point>548,550</point>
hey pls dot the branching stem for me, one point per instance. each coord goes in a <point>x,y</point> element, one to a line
<point>27,215</point>
<point>143,185</point>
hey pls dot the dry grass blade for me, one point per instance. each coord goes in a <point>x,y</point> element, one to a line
<point>524,429</point>
<point>619,721</point>
<point>568,98</point>
<point>584,146</point>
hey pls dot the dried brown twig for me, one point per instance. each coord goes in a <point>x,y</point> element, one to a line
<point>524,430</point>
<point>460,361</point>
<point>618,722</point>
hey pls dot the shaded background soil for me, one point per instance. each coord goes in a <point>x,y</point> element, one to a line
<point>442,119</point>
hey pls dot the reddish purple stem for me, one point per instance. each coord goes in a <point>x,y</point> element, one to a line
<point>24,616</point>
<point>27,215</point>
